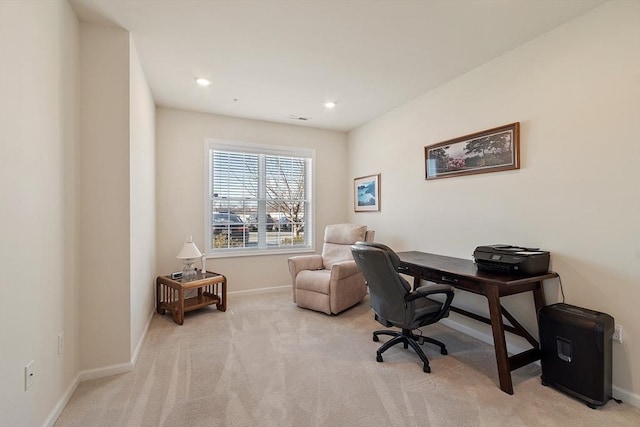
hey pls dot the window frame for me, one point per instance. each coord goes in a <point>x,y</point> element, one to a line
<point>260,149</point>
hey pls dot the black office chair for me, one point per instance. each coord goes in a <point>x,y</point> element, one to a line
<point>395,304</point>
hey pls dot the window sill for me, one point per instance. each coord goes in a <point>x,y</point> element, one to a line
<point>258,252</point>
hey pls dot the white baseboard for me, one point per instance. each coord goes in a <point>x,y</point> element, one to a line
<point>105,371</point>
<point>619,393</point>
<point>122,368</point>
<point>143,338</point>
<point>262,290</point>
<point>83,376</point>
<point>626,396</point>
<point>92,374</point>
<point>57,410</point>
<point>481,336</point>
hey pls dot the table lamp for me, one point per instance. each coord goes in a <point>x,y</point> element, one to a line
<point>188,254</point>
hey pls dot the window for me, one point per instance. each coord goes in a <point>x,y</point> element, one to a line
<point>257,198</point>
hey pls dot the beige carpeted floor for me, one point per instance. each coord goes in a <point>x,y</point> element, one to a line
<point>266,362</point>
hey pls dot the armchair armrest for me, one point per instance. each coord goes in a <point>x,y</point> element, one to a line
<point>343,269</point>
<point>305,262</point>
<point>302,262</point>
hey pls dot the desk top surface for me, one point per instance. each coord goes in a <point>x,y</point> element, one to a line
<point>466,268</point>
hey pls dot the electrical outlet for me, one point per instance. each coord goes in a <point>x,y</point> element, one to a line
<point>617,333</point>
<point>29,375</point>
<point>60,343</point>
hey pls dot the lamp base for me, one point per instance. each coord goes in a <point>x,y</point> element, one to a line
<point>188,272</point>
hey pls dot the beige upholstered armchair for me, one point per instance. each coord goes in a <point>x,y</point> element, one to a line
<point>331,282</point>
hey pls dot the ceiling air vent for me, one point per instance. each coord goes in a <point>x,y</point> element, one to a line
<point>294,117</point>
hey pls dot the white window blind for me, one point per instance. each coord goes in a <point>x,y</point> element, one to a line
<point>258,198</point>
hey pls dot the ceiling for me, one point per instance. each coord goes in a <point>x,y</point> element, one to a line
<point>280,61</point>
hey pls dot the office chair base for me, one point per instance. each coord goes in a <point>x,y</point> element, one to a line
<point>407,338</point>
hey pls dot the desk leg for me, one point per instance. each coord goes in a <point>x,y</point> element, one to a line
<point>416,282</point>
<point>538,297</point>
<point>499,342</point>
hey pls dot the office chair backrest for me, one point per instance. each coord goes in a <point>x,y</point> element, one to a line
<point>387,288</point>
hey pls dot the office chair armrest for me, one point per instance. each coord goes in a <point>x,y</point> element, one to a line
<point>343,269</point>
<point>427,290</point>
<point>424,291</point>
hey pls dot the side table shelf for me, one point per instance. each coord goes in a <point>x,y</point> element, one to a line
<point>211,288</point>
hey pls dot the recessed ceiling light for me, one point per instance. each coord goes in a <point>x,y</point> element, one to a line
<point>202,81</point>
<point>330,105</point>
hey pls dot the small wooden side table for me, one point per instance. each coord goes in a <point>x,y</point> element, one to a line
<point>211,289</point>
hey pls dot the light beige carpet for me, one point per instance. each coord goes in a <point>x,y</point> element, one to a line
<point>266,362</point>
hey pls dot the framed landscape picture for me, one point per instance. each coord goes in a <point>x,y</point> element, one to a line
<point>492,150</point>
<point>366,193</point>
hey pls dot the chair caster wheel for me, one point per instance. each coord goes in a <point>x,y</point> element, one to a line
<point>375,338</point>
<point>378,358</point>
<point>427,369</point>
<point>444,351</point>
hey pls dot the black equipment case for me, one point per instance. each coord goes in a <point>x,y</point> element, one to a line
<point>576,358</point>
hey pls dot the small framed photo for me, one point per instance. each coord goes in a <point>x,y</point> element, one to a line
<point>366,193</point>
<point>492,150</point>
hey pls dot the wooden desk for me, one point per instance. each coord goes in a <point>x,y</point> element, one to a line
<point>211,289</point>
<point>463,274</point>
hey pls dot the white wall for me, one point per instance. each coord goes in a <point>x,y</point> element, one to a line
<point>118,201</point>
<point>576,93</point>
<point>180,198</point>
<point>38,170</point>
<point>104,208</point>
<point>142,200</point>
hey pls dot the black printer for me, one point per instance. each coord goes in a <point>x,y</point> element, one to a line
<point>507,259</point>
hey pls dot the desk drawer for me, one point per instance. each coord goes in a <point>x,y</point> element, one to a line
<point>453,280</point>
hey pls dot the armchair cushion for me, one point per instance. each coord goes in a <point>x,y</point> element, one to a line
<point>314,280</point>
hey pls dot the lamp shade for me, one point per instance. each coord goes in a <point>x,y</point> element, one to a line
<point>189,250</point>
